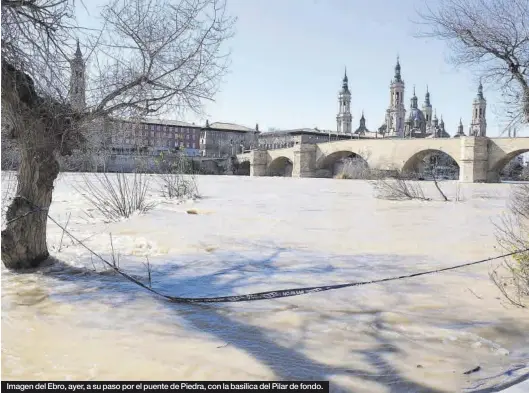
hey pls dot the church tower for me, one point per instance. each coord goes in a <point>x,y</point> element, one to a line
<point>460,128</point>
<point>427,108</point>
<point>344,118</point>
<point>478,126</point>
<point>77,81</point>
<point>396,112</point>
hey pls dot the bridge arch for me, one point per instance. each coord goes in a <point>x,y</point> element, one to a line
<point>280,166</point>
<point>496,167</point>
<point>339,162</point>
<point>424,160</point>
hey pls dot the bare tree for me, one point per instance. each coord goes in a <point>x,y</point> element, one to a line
<point>148,57</point>
<point>493,37</point>
<point>403,186</point>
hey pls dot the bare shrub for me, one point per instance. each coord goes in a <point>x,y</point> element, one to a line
<point>177,178</point>
<point>512,277</point>
<point>354,168</point>
<point>116,196</point>
<point>176,185</point>
<point>398,189</point>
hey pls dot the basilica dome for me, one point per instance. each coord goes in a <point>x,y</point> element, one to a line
<point>416,114</point>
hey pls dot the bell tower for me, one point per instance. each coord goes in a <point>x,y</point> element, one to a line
<point>344,119</point>
<point>478,126</point>
<point>77,81</point>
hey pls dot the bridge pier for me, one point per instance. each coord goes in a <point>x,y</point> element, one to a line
<point>304,160</point>
<point>474,160</point>
<point>258,162</point>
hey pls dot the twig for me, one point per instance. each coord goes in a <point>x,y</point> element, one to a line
<point>62,234</point>
<point>113,252</point>
<point>437,184</point>
<point>439,189</point>
<point>472,292</point>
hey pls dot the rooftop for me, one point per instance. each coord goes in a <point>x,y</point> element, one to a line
<point>175,123</point>
<point>230,126</point>
<point>299,131</point>
<point>164,122</point>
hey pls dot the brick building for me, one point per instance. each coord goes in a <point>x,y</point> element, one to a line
<point>154,136</point>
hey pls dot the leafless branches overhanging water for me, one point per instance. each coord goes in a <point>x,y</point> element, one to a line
<point>147,57</point>
<point>491,36</point>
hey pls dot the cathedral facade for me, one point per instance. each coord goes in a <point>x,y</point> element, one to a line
<point>412,123</point>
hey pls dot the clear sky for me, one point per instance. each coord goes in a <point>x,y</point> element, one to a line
<point>288,60</point>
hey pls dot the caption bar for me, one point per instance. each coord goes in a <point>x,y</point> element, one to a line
<point>151,387</point>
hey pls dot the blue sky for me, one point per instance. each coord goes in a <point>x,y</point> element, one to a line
<point>288,60</point>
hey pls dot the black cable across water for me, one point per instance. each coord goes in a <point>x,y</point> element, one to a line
<point>278,293</point>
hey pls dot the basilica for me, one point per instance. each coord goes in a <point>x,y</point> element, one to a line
<point>412,123</point>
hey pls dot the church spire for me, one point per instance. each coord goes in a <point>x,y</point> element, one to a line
<point>398,77</point>
<point>414,99</point>
<point>77,91</point>
<point>345,82</point>
<point>427,97</point>
<point>480,90</point>
<point>78,53</point>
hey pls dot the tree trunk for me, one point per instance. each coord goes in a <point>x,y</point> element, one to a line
<point>24,239</point>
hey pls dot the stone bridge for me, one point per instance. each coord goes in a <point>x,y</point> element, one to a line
<point>480,159</point>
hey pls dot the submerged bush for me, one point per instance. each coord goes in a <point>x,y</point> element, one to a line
<point>177,178</point>
<point>512,278</point>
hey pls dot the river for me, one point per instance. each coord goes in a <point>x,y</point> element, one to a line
<point>257,234</point>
